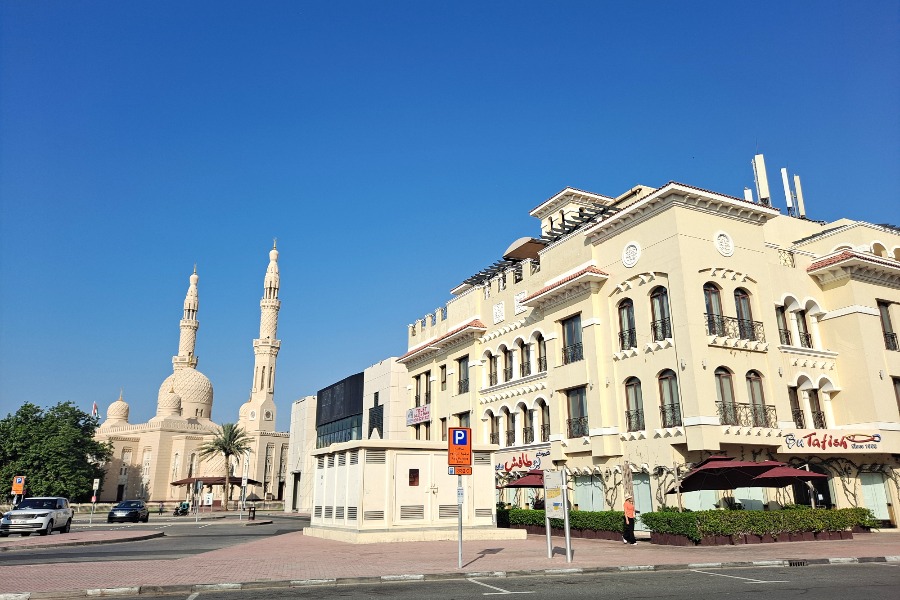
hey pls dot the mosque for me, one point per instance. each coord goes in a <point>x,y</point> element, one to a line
<point>149,458</point>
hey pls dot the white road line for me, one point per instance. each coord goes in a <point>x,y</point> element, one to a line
<point>202,526</point>
<point>500,591</point>
<point>747,579</point>
<point>192,596</point>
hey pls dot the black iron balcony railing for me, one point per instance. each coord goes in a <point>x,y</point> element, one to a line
<point>376,420</point>
<point>507,374</point>
<point>747,415</point>
<point>492,379</point>
<point>799,419</point>
<point>510,438</point>
<point>818,419</point>
<point>785,336</point>
<point>805,339</point>
<point>627,339</point>
<point>418,400</point>
<point>634,420</point>
<point>662,329</point>
<point>462,386</point>
<point>528,435</point>
<point>495,438</point>
<point>572,353</point>
<point>670,415</point>
<point>744,329</point>
<point>545,433</point>
<point>578,427</point>
<point>890,341</point>
<point>542,364</point>
<point>525,369</point>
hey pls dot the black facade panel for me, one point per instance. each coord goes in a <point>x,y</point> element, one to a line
<point>340,400</point>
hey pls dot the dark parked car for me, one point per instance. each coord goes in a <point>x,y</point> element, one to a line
<point>129,510</point>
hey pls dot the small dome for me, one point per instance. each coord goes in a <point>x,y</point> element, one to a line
<point>190,384</point>
<point>244,411</point>
<point>118,410</point>
<point>170,401</point>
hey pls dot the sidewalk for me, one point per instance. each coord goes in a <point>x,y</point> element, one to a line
<point>293,559</point>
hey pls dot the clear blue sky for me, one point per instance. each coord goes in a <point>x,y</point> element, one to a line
<point>393,148</point>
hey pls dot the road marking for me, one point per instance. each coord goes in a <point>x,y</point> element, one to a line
<point>202,526</point>
<point>500,591</point>
<point>747,579</point>
<point>192,596</point>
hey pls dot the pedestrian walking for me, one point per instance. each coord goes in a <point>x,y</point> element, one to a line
<point>628,528</point>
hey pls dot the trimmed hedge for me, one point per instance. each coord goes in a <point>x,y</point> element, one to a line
<point>610,520</point>
<point>696,525</point>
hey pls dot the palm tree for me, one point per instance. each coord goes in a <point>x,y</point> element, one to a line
<point>229,441</point>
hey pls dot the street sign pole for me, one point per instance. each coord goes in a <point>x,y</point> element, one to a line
<point>94,501</point>
<point>459,462</point>
<point>459,501</point>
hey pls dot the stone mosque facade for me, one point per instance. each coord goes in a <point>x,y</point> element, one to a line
<point>149,457</point>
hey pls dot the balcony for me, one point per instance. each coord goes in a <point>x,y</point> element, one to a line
<point>731,327</point>
<point>525,369</point>
<point>799,419</point>
<point>542,364</point>
<point>577,427</point>
<point>890,342</point>
<point>670,415</point>
<point>661,329</point>
<point>528,435</point>
<point>634,420</point>
<point>508,374</point>
<point>627,339</point>
<point>462,386</point>
<point>494,438</point>
<point>545,433</point>
<point>785,336</point>
<point>572,353</point>
<point>818,419</point>
<point>747,415</point>
<point>510,438</point>
<point>805,340</point>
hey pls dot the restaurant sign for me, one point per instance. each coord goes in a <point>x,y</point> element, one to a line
<point>419,414</point>
<point>520,461</point>
<point>821,442</point>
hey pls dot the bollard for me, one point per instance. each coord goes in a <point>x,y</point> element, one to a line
<point>251,513</point>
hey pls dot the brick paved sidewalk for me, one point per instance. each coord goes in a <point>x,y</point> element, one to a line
<point>294,557</point>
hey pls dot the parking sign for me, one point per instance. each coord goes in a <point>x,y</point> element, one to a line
<point>18,486</point>
<point>459,449</point>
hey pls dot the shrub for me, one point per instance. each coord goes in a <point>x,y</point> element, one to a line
<point>610,520</point>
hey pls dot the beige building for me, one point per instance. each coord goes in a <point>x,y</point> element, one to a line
<point>148,457</point>
<point>650,330</point>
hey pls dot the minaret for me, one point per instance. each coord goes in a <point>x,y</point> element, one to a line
<point>260,413</point>
<point>189,325</point>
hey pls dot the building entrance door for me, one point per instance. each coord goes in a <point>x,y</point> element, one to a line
<point>643,502</point>
<point>874,494</point>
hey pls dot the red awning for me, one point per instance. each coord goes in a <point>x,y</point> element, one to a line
<point>532,479</point>
<point>784,476</point>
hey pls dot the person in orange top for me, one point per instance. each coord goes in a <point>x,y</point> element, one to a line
<point>628,530</point>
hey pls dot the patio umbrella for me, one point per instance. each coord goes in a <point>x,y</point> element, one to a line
<point>719,473</point>
<point>784,476</point>
<point>213,481</point>
<point>532,479</point>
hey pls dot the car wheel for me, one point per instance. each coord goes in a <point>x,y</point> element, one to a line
<point>4,534</point>
<point>49,528</point>
<point>26,534</point>
<point>67,527</point>
<point>146,519</point>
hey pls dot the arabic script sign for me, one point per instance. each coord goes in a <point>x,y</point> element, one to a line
<point>819,441</point>
<point>522,461</point>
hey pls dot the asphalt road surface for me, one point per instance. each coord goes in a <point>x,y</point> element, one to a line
<point>827,582</point>
<point>183,538</point>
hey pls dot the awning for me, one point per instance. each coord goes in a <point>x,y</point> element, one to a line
<point>784,476</point>
<point>724,473</point>
<point>532,479</point>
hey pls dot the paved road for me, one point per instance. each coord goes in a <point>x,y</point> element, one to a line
<point>182,538</point>
<point>830,582</point>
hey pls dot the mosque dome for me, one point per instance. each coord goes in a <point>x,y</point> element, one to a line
<point>117,412</point>
<point>244,411</point>
<point>193,389</point>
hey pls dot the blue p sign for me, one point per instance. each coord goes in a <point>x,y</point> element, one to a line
<point>460,437</point>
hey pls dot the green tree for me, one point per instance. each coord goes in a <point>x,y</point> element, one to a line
<point>230,441</point>
<point>54,449</point>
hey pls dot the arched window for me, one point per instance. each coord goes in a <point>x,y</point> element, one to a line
<point>670,405</point>
<point>494,422</point>
<point>715,323</point>
<point>757,400</point>
<point>507,364</point>
<point>627,337</point>
<point>524,359</point>
<point>803,329</point>
<point>492,369</point>
<point>527,425</point>
<point>744,314</point>
<point>725,394</point>
<point>510,438</point>
<point>634,404</point>
<point>541,353</point>
<point>545,420</point>
<point>815,409</point>
<point>659,307</point>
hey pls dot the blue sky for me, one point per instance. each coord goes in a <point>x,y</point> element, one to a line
<point>393,148</point>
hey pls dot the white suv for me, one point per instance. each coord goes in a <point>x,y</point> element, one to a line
<point>38,514</point>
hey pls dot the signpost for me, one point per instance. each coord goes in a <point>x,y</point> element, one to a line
<point>94,501</point>
<point>198,487</point>
<point>18,487</point>
<point>556,506</point>
<point>459,462</point>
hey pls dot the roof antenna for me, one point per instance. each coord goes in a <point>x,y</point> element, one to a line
<point>787,192</point>
<point>800,207</point>
<point>762,180</point>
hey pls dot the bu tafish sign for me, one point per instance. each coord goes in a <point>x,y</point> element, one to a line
<point>822,442</point>
<point>459,447</point>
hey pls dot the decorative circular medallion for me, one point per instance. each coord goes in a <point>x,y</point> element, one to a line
<point>724,243</point>
<point>267,415</point>
<point>630,254</point>
<point>252,415</point>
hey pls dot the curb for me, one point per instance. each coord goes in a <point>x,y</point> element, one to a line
<point>404,577</point>
<point>138,538</point>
